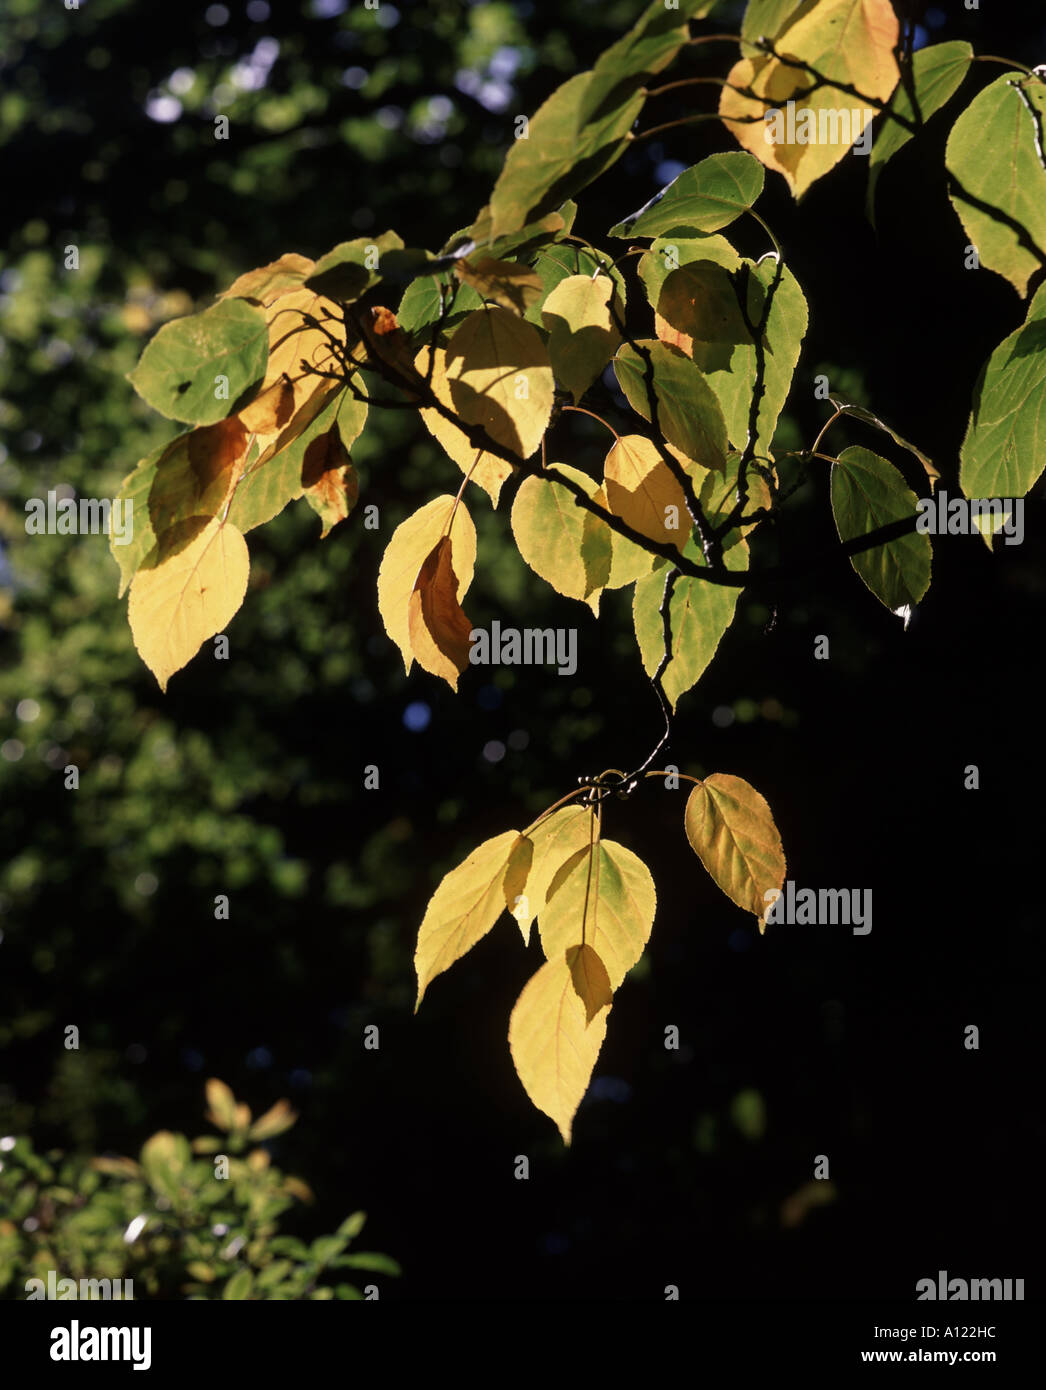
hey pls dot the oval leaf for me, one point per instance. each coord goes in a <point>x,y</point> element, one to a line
<point>868,492</point>
<point>732,831</point>
<point>705,198</point>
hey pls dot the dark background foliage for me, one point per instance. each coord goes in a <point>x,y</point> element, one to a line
<point>247,777</point>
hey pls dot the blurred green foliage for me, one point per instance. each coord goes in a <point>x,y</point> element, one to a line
<point>177,1223</point>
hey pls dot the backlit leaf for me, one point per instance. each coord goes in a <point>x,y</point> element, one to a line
<point>439,629</point>
<point>347,271</point>
<point>554,1044</point>
<point>868,492</point>
<point>178,604</point>
<point>556,839</point>
<point>731,829</point>
<point>559,540</point>
<point>704,198</point>
<point>688,412</point>
<point>643,491</point>
<point>507,283</point>
<point>591,980</point>
<point>937,74</point>
<point>850,41</point>
<point>582,319</point>
<point>487,470</point>
<point>271,281</point>
<point>328,479</point>
<point>500,377</point>
<point>467,903</point>
<point>1001,200</point>
<point>413,541</point>
<point>178,371</point>
<point>604,897</point>
<point>1005,446</point>
<point>700,613</point>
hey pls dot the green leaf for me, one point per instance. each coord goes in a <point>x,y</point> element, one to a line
<point>647,48</point>
<point>239,1287</point>
<point>561,541</point>
<point>555,264</point>
<point>352,1225</point>
<point>704,198</point>
<point>348,270</point>
<point>688,413</point>
<point>581,315</point>
<point>700,613</point>
<point>767,17</point>
<point>178,371</point>
<point>937,74</point>
<point>869,492</point>
<point>1001,200</point>
<point>1005,446</point>
<point>268,485</point>
<point>324,1248</point>
<point>667,254</point>
<point>731,830</point>
<point>561,154</point>
<point>860,413</point>
<point>419,308</point>
<point>369,1259</point>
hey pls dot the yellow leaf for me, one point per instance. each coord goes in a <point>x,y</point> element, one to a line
<point>278,1118</point>
<point>184,599</point>
<point>479,465</point>
<point>328,479</point>
<point>221,1104</point>
<point>582,314</point>
<point>851,41</point>
<point>554,1044</point>
<point>292,341</point>
<point>591,981</point>
<point>500,378</point>
<point>556,839</point>
<point>507,283</point>
<point>642,490</point>
<point>467,903</point>
<point>272,281</point>
<point>413,541</point>
<point>732,831</point>
<point>603,897</point>
<point>559,540</point>
<point>439,629</point>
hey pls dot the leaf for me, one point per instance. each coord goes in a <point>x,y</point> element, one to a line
<point>303,328</point>
<point>667,254</point>
<point>1001,201</point>
<point>420,306</point>
<point>176,605</point>
<point>413,541</point>
<point>554,1045</point>
<point>859,413</point>
<point>135,490</point>
<point>642,490</point>
<point>558,262</point>
<point>868,492</point>
<point>699,301</point>
<point>647,48</point>
<point>582,323</point>
<point>439,629</point>
<point>500,378</point>
<point>513,286</point>
<point>559,540</point>
<point>591,981</point>
<point>700,613</point>
<point>1004,451</point>
<point>239,1286</point>
<point>370,1259</point>
<point>603,897</point>
<point>276,1120</point>
<point>556,839</point>
<point>467,903</point>
<point>704,198</point>
<point>346,272</point>
<point>937,74</point>
<point>194,479</point>
<point>522,241</point>
<point>328,479</point>
<point>269,282</point>
<point>177,373</point>
<point>267,484</point>
<point>480,466</point>
<point>688,413</point>
<point>561,154</point>
<point>849,41</point>
<point>731,830</point>
<point>221,1105</point>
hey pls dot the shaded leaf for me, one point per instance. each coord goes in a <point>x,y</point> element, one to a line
<point>590,978</point>
<point>500,378</point>
<point>582,323</point>
<point>559,540</point>
<point>643,491</point>
<point>869,492</point>
<point>688,413</point>
<point>507,283</point>
<point>480,466</point>
<point>439,629</point>
<point>328,478</point>
<point>349,269</point>
<point>556,839</point>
